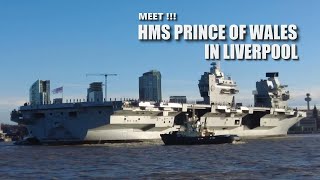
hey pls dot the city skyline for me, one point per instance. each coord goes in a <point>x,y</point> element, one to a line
<point>63,41</point>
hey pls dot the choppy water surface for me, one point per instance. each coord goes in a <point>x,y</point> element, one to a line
<point>292,157</point>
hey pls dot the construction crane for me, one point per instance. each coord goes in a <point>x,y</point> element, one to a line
<point>105,83</point>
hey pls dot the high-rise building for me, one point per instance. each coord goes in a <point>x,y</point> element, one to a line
<point>39,92</point>
<point>150,86</point>
<point>95,93</point>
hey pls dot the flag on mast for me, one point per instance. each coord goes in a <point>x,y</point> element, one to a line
<point>58,90</point>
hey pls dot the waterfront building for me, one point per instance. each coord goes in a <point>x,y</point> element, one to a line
<point>150,86</point>
<point>57,101</point>
<point>178,99</point>
<point>309,124</point>
<point>94,93</point>
<point>39,92</point>
<point>316,116</point>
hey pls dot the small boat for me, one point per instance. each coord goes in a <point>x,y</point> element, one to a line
<point>187,138</point>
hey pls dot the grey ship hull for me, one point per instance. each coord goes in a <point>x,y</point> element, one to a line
<point>138,135</point>
<point>66,123</point>
<point>268,131</point>
<point>118,134</point>
<point>122,133</point>
<point>90,123</point>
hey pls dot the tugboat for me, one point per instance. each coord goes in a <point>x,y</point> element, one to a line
<point>194,134</point>
<point>183,138</point>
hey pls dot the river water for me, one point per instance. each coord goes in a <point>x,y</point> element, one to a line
<point>291,157</point>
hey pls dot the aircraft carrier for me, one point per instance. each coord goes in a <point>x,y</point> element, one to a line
<point>126,121</point>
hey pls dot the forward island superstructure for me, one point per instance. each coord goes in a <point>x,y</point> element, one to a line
<point>218,114</point>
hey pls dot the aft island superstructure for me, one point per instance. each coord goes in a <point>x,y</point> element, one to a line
<point>118,121</point>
